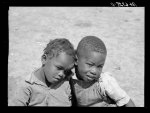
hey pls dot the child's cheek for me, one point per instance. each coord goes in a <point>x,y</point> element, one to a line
<point>85,68</point>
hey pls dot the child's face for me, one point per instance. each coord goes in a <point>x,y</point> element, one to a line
<point>89,65</point>
<point>55,69</point>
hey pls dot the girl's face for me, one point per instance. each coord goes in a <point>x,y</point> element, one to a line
<point>56,68</point>
<point>89,65</point>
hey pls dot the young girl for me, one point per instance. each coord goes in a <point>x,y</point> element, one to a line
<point>49,85</point>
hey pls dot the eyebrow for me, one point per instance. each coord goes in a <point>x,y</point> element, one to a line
<point>94,63</point>
<point>90,62</point>
<point>101,64</point>
<point>71,66</point>
<point>61,67</point>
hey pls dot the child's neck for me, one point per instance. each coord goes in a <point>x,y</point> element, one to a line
<point>85,84</point>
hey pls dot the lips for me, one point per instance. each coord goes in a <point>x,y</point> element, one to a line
<point>57,79</point>
<point>90,77</point>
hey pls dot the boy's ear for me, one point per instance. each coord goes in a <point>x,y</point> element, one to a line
<point>44,59</point>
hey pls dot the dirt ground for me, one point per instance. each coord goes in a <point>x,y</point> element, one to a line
<point>121,29</point>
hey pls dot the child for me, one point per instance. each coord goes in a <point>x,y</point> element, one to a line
<point>91,86</point>
<point>49,85</point>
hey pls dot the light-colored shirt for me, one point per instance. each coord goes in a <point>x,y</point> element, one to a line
<point>97,94</point>
<point>33,92</point>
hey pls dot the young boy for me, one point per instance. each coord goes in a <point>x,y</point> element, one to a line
<point>49,85</point>
<point>91,86</point>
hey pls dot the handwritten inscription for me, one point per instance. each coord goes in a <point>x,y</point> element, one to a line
<point>123,4</point>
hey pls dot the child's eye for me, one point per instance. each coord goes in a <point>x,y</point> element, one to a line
<point>89,64</point>
<point>100,66</point>
<point>59,68</point>
<point>68,72</point>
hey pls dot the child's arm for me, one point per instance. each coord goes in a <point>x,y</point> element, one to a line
<point>115,92</point>
<point>129,104</point>
<point>21,97</point>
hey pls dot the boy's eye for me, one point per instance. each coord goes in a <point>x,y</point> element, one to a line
<point>89,64</point>
<point>100,66</point>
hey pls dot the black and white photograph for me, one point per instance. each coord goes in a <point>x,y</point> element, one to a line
<point>76,56</point>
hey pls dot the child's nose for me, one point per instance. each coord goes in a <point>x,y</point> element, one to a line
<point>61,74</point>
<point>93,71</point>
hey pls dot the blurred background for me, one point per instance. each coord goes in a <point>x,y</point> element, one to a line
<point>121,29</point>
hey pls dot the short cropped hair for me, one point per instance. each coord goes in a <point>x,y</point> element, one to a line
<point>91,43</point>
<point>56,46</point>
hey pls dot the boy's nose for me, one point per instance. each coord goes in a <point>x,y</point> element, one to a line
<point>93,71</point>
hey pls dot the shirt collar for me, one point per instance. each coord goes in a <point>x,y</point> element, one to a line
<point>32,79</point>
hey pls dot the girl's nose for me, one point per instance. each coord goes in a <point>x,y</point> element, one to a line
<point>61,74</point>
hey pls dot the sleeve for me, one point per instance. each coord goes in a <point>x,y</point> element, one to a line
<point>114,91</point>
<point>21,96</point>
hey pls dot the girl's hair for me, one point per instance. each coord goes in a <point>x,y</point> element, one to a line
<point>56,46</point>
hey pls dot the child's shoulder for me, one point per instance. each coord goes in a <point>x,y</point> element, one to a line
<point>31,78</point>
<point>107,78</point>
<point>26,82</point>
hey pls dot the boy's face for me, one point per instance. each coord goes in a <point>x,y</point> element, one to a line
<point>55,69</point>
<point>89,65</point>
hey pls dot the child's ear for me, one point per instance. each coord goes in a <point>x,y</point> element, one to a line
<point>44,59</point>
<point>76,60</point>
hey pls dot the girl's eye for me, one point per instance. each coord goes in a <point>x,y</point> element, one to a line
<point>59,68</point>
<point>68,71</point>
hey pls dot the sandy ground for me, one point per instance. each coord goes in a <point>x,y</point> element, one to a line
<point>122,30</point>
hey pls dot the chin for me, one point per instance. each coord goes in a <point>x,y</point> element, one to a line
<point>86,80</point>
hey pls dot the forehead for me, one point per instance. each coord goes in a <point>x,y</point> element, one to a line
<point>94,57</point>
<point>64,60</point>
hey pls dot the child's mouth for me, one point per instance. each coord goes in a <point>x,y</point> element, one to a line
<point>90,78</point>
<point>57,79</point>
